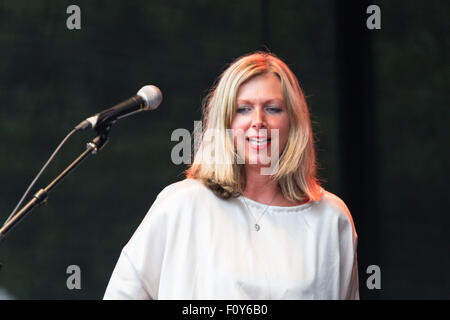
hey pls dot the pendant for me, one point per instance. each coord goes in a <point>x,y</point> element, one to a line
<point>257,227</point>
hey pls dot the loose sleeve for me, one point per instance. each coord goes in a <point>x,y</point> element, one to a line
<point>125,282</point>
<point>137,272</point>
<point>348,241</point>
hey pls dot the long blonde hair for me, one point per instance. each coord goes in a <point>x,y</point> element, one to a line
<point>296,174</point>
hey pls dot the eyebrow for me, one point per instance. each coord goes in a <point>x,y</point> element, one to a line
<point>281,101</point>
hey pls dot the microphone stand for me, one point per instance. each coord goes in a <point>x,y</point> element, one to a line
<point>40,197</point>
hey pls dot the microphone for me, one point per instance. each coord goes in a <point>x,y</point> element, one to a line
<point>148,98</point>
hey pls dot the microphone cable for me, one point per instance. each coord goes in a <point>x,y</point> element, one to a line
<point>39,174</point>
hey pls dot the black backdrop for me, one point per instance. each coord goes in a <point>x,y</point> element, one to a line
<point>378,99</point>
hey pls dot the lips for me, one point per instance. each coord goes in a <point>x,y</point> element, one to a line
<point>258,142</point>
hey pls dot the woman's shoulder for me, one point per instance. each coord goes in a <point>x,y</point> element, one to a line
<point>332,201</point>
<point>334,206</point>
<point>179,197</point>
<point>186,189</point>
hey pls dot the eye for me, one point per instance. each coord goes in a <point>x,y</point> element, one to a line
<point>243,108</point>
<point>274,109</point>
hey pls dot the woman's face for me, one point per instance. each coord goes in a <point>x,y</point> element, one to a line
<point>261,116</point>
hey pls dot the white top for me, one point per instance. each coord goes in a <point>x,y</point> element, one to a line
<point>195,245</point>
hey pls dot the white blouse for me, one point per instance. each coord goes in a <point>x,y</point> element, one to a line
<point>195,245</point>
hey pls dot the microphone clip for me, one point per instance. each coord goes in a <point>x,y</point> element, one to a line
<point>100,140</point>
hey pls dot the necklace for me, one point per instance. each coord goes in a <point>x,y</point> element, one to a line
<point>256,225</point>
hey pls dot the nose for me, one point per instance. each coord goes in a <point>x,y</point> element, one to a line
<point>258,120</point>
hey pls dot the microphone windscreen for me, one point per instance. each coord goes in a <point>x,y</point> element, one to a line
<point>152,95</point>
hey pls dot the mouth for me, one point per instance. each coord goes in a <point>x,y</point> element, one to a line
<point>258,142</point>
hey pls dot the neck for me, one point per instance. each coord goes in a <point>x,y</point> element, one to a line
<point>260,188</point>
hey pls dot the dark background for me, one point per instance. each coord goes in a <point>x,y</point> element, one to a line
<point>379,101</point>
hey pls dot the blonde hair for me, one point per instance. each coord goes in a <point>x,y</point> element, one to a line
<point>296,174</point>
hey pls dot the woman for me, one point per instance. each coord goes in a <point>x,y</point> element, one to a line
<point>250,221</point>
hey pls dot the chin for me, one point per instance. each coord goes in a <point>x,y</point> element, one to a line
<point>258,161</point>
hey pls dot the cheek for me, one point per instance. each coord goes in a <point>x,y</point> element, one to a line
<point>285,134</point>
<point>283,131</point>
<point>239,123</point>
<point>238,128</point>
